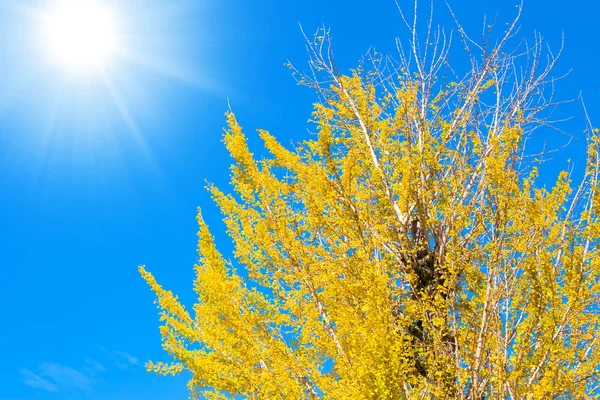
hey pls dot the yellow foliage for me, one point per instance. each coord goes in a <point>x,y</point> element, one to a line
<point>395,256</point>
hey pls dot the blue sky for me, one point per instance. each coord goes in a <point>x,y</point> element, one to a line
<point>101,174</point>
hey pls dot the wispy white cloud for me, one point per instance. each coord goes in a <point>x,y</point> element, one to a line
<point>36,381</point>
<point>127,357</point>
<point>65,377</point>
<point>122,360</point>
<point>53,377</point>
<point>93,367</point>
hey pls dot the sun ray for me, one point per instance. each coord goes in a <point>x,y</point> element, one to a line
<point>130,121</point>
<point>88,74</point>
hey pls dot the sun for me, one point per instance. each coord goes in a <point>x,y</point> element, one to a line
<point>80,35</point>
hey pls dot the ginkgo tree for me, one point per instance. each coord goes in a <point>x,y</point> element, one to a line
<point>408,250</point>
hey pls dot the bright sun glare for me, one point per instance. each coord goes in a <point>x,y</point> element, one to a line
<point>80,34</point>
